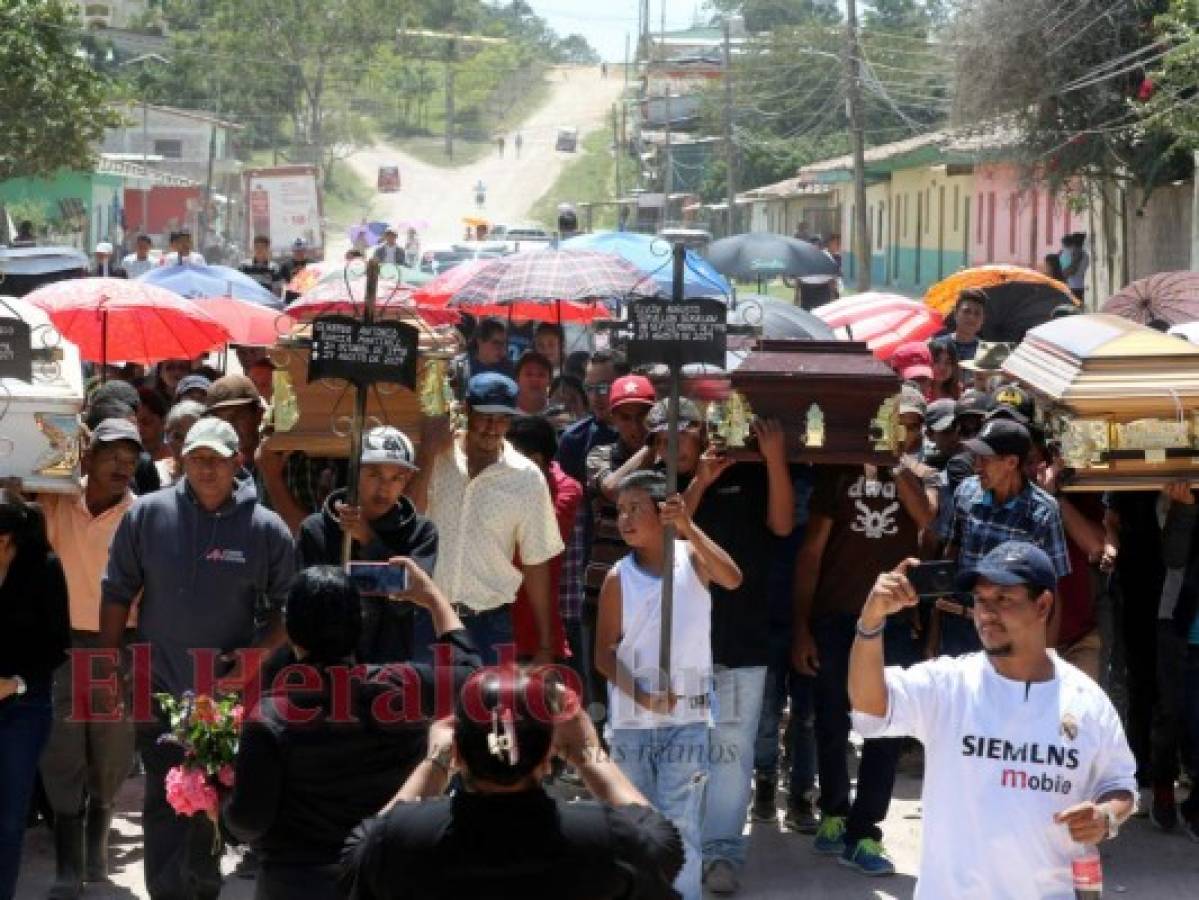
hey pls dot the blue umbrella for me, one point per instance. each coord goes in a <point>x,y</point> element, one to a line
<point>198,282</point>
<point>652,255</point>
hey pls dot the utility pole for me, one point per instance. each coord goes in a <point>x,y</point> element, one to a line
<point>861,223</point>
<point>668,170</point>
<point>450,55</point>
<point>145,228</point>
<point>730,145</point>
<point>616,150</point>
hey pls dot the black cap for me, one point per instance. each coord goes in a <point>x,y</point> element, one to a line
<point>1012,563</point>
<point>1013,402</point>
<point>973,403</point>
<point>940,415</point>
<point>1001,437</point>
<point>659,415</point>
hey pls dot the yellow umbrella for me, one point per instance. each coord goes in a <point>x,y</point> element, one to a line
<point>943,295</point>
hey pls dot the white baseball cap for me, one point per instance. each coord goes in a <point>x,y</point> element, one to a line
<point>104,247</point>
<point>386,445</point>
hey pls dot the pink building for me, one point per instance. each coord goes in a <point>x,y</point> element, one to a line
<point>1016,222</point>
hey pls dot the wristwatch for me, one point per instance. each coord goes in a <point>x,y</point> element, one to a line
<point>1113,823</point>
<point>21,686</point>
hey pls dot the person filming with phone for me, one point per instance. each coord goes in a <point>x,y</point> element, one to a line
<point>383,524</point>
<point>1027,767</point>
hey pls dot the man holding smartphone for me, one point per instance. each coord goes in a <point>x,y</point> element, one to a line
<point>1025,754</point>
<point>383,524</point>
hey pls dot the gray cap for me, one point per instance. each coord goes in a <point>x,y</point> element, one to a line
<point>111,431</point>
<point>192,383</point>
<point>911,400</point>
<point>213,433</point>
<point>659,415</point>
<point>940,414</point>
<point>387,445</point>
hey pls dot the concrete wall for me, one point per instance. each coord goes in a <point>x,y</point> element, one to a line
<point>1016,223</point>
<point>193,134</point>
<point>95,191</point>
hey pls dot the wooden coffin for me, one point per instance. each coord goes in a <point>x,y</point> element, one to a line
<point>1120,400</point>
<point>835,400</point>
<point>315,417</point>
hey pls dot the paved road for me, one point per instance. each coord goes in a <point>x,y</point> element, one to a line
<point>1142,863</point>
<point>579,97</point>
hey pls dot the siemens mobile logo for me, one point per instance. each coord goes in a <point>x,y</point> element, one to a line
<point>1044,755</point>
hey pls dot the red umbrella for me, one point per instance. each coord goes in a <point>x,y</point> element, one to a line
<point>250,324</point>
<point>116,319</point>
<point>342,298</point>
<point>884,321</point>
<point>560,312</point>
<point>441,289</point>
<point>1169,296</point>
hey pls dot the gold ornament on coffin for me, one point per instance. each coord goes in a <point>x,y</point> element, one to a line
<point>814,431</point>
<point>436,393</point>
<point>731,420</point>
<point>885,429</point>
<point>1152,434</point>
<point>285,405</point>
<point>62,433</point>
<point>1084,442</point>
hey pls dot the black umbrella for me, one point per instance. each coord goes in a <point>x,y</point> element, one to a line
<point>1016,306</point>
<point>764,255</point>
<point>779,319</point>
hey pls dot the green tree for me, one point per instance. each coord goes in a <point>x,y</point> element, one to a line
<point>53,106</point>
<point>1169,91</point>
<point>768,15</point>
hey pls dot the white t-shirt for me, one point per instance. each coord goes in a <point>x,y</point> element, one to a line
<point>1001,758</point>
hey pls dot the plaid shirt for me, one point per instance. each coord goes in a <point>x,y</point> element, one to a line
<point>574,561</point>
<point>980,526</point>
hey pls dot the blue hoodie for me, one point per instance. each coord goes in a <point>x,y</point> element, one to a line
<point>204,577</point>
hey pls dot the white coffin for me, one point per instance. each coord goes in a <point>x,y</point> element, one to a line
<point>39,420</point>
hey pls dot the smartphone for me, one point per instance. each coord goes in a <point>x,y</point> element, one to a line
<point>377,579</point>
<point>934,579</point>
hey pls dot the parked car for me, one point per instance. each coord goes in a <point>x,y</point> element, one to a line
<point>440,258</point>
<point>516,238</point>
<point>568,139</point>
<point>389,179</point>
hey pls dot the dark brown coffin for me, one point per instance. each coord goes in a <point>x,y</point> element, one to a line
<point>853,391</point>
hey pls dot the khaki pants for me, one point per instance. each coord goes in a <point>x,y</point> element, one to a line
<point>1084,653</point>
<point>83,759</point>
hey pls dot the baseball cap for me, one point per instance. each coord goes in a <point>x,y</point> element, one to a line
<point>630,389</point>
<point>913,360</point>
<point>989,358</point>
<point>110,431</point>
<point>1013,402</point>
<point>1012,563</point>
<point>1001,437</point>
<point>911,401</point>
<point>973,403</point>
<point>940,414</point>
<point>299,244</point>
<point>104,247</point>
<point>492,394</point>
<point>659,415</point>
<point>231,390</point>
<point>387,445</point>
<point>213,433</point>
<point>192,383</point>
<point>391,229</point>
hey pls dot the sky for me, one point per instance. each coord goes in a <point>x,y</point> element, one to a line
<point>605,22</point>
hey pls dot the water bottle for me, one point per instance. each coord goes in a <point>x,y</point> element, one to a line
<point>1088,874</point>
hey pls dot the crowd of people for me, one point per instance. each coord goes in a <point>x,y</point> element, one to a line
<point>198,556</point>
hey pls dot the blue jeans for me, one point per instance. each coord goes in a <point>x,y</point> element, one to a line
<point>670,767</point>
<point>731,762</point>
<point>489,631</point>
<point>24,729</point>
<point>834,637</point>
<point>782,681</point>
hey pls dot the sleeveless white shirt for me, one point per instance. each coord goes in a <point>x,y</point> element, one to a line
<point>691,643</point>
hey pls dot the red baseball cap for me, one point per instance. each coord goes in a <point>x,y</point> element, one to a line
<point>629,389</point>
<point>913,361</point>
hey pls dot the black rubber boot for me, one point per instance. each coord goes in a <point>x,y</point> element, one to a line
<point>68,858</point>
<point>99,822</point>
<point>764,809</point>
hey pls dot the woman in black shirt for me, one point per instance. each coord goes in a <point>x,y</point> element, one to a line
<point>35,630</point>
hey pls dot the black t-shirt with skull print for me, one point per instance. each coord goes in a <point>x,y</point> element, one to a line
<point>871,533</point>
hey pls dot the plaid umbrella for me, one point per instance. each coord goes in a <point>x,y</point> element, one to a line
<point>548,276</point>
<point>1168,296</point>
<point>132,321</point>
<point>441,289</point>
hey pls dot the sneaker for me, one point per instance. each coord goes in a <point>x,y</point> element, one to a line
<point>868,857</point>
<point>801,816</point>
<point>1163,812</point>
<point>763,809</point>
<point>721,878</point>
<point>830,836</point>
